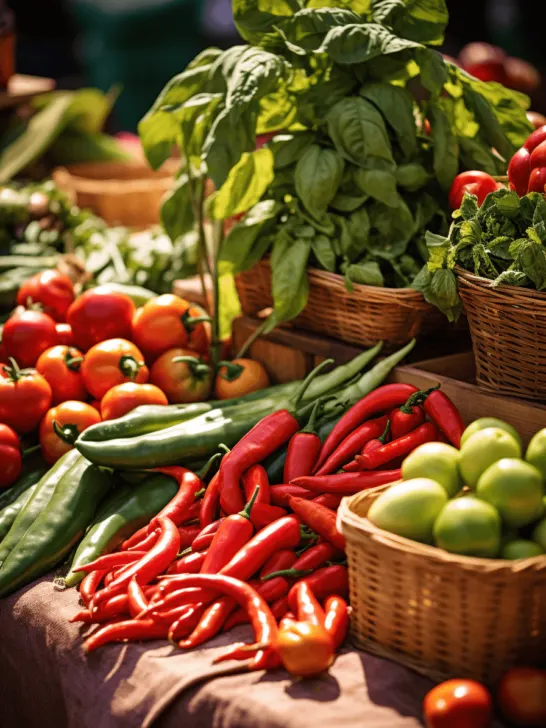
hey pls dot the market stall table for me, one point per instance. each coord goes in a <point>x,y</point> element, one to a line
<point>48,681</point>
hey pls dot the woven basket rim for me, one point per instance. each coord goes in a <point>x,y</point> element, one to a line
<point>111,185</point>
<point>357,527</point>
<point>504,288</point>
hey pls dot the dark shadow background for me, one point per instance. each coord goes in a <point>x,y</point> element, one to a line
<point>143,43</point>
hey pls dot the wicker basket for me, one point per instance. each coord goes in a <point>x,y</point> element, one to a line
<point>440,614</point>
<point>368,314</point>
<point>123,193</point>
<point>508,330</point>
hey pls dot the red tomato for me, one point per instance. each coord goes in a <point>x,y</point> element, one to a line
<point>64,334</point>
<point>537,180</point>
<point>521,75</point>
<point>458,703</point>
<point>10,456</point>
<point>519,171</point>
<point>96,404</point>
<point>522,696</point>
<point>165,322</point>
<point>24,397</point>
<point>305,649</point>
<point>100,314</point>
<point>4,359</point>
<point>536,138</point>
<point>181,381</point>
<point>538,156</point>
<point>72,418</point>
<point>475,183</point>
<point>27,335</point>
<point>112,362</point>
<point>60,366</point>
<point>52,289</point>
<point>125,397</point>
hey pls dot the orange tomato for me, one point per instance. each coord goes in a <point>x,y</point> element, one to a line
<point>125,397</point>
<point>71,419</point>
<point>305,649</point>
<point>96,404</point>
<point>167,322</point>
<point>457,703</point>
<point>60,366</point>
<point>112,362</point>
<point>240,377</point>
<point>522,696</point>
<point>64,334</point>
<point>182,381</point>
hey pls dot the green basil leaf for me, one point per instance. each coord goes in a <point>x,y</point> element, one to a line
<point>344,202</point>
<point>396,106</point>
<point>358,131</point>
<point>384,11</point>
<point>412,176</point>
<point>357,43</point>
<point>434,74</point>
<point>289,283</point>
<point>324,252</point>
<point>477,155</point>
<point>539,218</point>
<point>510,278</point>
<point>367,274</point>
<point>255,19</point>
<point>423,20</point>
<point>443,287</point>
<point>247,181</point>
<point>241,239</point>
<point>317,178</point>
<point>531,260</point>
<point>205,58</point>
<point>256,74</point>
<point>176,210</point>
<point>469,206</point>
<point>508,205</point>
<point>392,230</point>
<point>276,111</point>
<point>445,153</point>
<point>288,148</point>
<point>226,142</point>
<point>379,184</point>
<point>308,26</point>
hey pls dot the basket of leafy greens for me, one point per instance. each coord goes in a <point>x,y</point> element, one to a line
<point>493,262</point>
<point>368,126</point>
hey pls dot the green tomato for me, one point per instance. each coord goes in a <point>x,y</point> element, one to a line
<point>470,527</point>
<point>437,461</point>
<point>485,422</point>
<point>536,452</point>
<point>521,549</point>
<point>484,448</point>
<point>409,509</point>
<point>515,489</point>
<point>539,533</point>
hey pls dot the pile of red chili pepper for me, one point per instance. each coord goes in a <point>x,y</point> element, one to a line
<point>241,550</point>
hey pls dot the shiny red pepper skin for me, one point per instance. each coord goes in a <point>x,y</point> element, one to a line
<point>90,584</point>
<point>537,180</point>
<point>190,564</point>
<point>351,483</point>
<point>330,500</point>
<point>519,171</point>
<point>320,519</point>
<point>307,607</point>
<point>316,556</point>
<point>397,448</point>
<point>443,413</point>
<point>263,514</point>
<point>535,138</point>
<point>352,444</point>
<point>143,629</point>
<point>256,476</point>
<point>381,400</point>
<point>210,503</point>
<point>211,622</point>
<point>204,539</point>
<point>303,449</point>
<point>405,419</point>
<point>283,559</point>
<point>281,493</point>
<point>323,583</point>
<point>336,622</point>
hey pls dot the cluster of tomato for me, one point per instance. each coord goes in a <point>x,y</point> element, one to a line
<point>67,362</point>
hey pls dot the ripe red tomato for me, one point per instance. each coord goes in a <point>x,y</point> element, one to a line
<point>458,703</point>
<point>100,314</point>
<point>522,696</point>
<point>64,335</point>
<point>26,335</point>
<point>537,180</point>
<point>52,289</point>
<point>10,456</point>
<point>24,397</point>
<point>535,138</point>
<point>305,649</point>
<point>166,322</point>
<point>72,418</point>
<point>60,366</point>
<point>519,170</point>
<point>112,362</point>
<point>475,183</point>
<point>181,381</point>
<point>125,397</point>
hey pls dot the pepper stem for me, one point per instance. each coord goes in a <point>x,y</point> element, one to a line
<point>298,396</point>
<point>129,366</point>
<point>232,371</point>
<point>209,465</point>
<point>30,450</point>
<point>289,573</point>
<point>248,508</point>
<point>67,433</point>
<point>418,398</point>
<point>190,322</point>
<point>71,361</point>
<point>311,426</point>
<point>383,438</point>
<point>197,367</point>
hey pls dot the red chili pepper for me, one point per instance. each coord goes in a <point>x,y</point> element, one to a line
<point>316,556</point>
<point>330,500</point>
<point>323,583</point>
<point>535,138</point>
<point>350,483</point>
<point>188,534</point>
<point>211,622</point>
<point>136,600</point>
<point>111,561</point>
<point>381,400</point>
<point>190,564</point>
<point>278,609</point>
<point>336,622</point>
<point>238,651</point>
<point>210,502</point>
<point>519,171</point>
<point>283,559</point>
<point>370,446</point>
<point>265,438</point>
<point>281,493</point>
<point>193,514</point>
<point>405,419</point>
<point>352,444</point>
<point>445,416</point>
<point>204,539</point>
<point>256,477</point>
<point>144,544</point>
<point>307,607</point>
<point>288,619</point>
<point>151,564</point>
<point>303,449</point>
<point>126,631</point>
<point>183,622</point>
<point>89,585</point>
<point>115,607</point>
<point>397,448</point>
<point>234,532</point>
<point>263,514</point>
<point>319,518</point>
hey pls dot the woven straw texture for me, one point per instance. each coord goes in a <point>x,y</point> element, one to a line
<point>121,193</point>
<point>440,614</point>
<point>394,315</point>
<point>508,330</point>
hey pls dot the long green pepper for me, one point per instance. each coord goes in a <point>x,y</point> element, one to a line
<point>10,513</point>
<point>27,479</point>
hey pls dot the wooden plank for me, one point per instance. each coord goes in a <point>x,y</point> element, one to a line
<point>282,363</point>
<point>457,366</point>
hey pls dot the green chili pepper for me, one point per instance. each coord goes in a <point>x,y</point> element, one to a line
<point>59,526</point>
<point>31,477</point>
<point>10,513</point>
<point>36,504</point>
<point>122,514</point>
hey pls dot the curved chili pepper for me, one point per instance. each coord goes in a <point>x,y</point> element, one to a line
<point>330,500</point>
<point>281,493</point>
<point>381,400</point>
<point>309,560</point>
<point>190,564</point>
<point>90,584</point>
<point>183,623</point>
<point>127,630</point>
<point>445,416</point>
<point>144,544</point>
<point>211,622</point>
<point>352,444</point>
<point>210,502</point>
<point>111,561</point>
<point>193,513</point>
<point>136,600</point>
<point>350,483</point>
<point>263,514</point>
<point>283,559</point>
<point>115,607</point>
<point>397,448</point>
<point>233,533</point>
<point>405,419</point>
<point>323,583</point>
<point>307,607</point>
<point>238,651</point>
<point>188,534</point>
<point>336,621</point>
<point>303,449</point>
<point>204,539</point>
<point>370,446</point>
<point>278,609</point>
<point>256,477</point>
<point>319,518</point>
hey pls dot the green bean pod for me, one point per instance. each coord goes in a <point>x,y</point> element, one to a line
<point>121,516</point>
<point>59,526</point>
<point>10,513</point>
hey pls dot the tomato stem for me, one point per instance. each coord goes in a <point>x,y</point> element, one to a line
<point>232,371</point>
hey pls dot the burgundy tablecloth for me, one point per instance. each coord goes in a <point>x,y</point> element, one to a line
<point>47,681</point>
